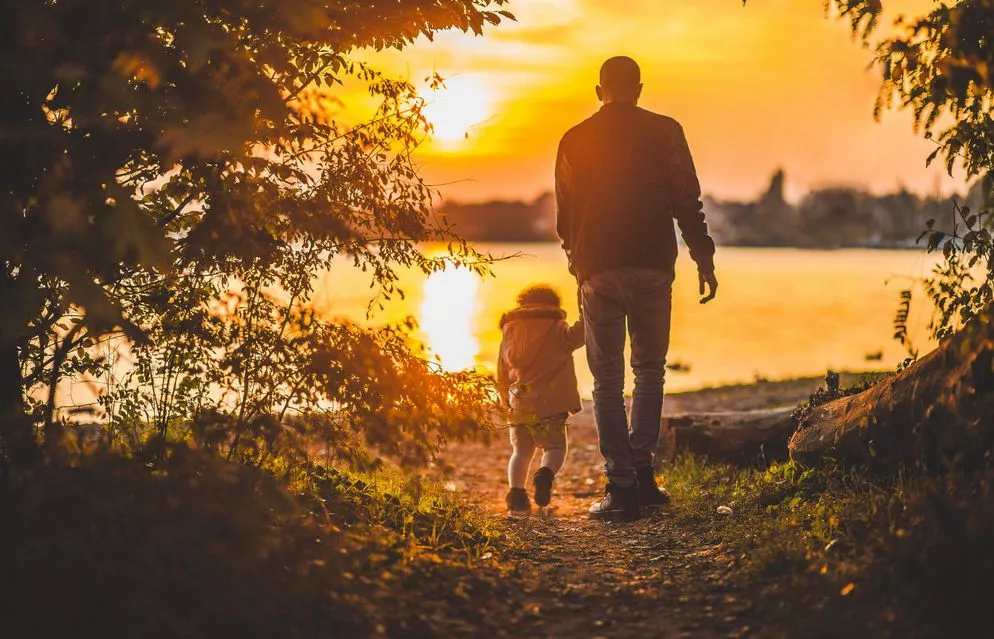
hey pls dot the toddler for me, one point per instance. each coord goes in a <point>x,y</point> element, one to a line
<point>537,382</point>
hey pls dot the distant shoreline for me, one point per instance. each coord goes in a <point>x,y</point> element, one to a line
<point>754,395</point>
<point>841,247</point>
<point>824,218</point>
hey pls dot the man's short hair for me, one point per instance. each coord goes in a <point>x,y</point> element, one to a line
<point>620,75</point>
<point>539,294</point>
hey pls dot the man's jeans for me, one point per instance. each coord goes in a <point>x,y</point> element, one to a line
<point>643,297</point>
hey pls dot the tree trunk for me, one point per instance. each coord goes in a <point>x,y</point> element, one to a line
<point>941,406</point>
<point>16,435</point>
<point>17,440</point>
<point>10,379</point>
<point>736,436</point>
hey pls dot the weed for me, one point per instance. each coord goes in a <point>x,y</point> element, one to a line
<point>199,546</point>
<point>836,552</point>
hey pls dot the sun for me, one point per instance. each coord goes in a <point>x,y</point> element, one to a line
<point>457,107</point>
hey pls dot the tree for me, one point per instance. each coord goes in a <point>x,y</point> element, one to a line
<point>940,66</point>
<point>939,410</point>
<point>156,153</point>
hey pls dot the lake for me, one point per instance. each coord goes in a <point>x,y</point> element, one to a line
<point>779,313</point>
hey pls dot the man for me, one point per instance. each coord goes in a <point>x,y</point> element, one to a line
<point>622,177</point>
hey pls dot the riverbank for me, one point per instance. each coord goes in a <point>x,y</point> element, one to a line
<point>741,552</point>
<point>200,547</point>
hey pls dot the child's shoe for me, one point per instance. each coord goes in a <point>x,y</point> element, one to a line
<point>543,486</point>
<point>517,500</point>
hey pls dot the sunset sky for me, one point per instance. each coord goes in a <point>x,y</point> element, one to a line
<point>775,83</point>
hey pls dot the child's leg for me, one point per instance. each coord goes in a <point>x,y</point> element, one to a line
<point>553,443</point>
<point>551,436</point>
<point>523,444</point>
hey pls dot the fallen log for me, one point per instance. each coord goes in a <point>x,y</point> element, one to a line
<point>941,406</point>
<point>735,436</point>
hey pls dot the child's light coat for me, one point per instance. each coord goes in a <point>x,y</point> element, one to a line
<point>535,368</point>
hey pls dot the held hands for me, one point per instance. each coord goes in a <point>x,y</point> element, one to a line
<point>710,283</point>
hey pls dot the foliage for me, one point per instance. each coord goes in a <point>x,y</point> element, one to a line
<point>832,391</point>
<point>901,328</point>
<point>837,552</point>
<point>940,66</point>
<point>263,374</point>
<point>416,510</point>
<point>201,547</point>
<point>184,171</point>
<point>173,158</point>
<point>962,285</point>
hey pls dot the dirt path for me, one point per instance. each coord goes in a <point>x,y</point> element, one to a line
<point>661,576</point>
<point>575,577</point>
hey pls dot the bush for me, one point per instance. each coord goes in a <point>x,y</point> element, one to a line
<point>200,547</point>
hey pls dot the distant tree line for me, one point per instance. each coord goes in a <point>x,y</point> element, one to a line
<point>504,220</point>
<point>828,217</point>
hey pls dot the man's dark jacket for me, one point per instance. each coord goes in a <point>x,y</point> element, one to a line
<point>622,176</point>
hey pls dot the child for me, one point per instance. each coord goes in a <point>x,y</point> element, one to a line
<point>538,387</point>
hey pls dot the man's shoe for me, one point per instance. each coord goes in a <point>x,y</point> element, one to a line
<point>543,486</point>
<point>649,494</point>
<point>517,500</point>
<point>620,503</point>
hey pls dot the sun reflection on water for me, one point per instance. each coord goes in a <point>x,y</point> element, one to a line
<point>446,318</point>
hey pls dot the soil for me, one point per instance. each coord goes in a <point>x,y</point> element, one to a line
<point>571,576</point>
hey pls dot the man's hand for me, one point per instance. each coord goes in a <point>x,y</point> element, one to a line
<point>710,283</point>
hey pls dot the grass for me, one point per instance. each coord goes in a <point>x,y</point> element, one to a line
<point>837,553</point>
<point>200,547</point>
<point>416,512</point>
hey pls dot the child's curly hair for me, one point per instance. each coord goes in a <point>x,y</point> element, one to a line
<point>539,294</point>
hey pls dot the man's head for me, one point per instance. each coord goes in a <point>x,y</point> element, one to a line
<point>621,80</point>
